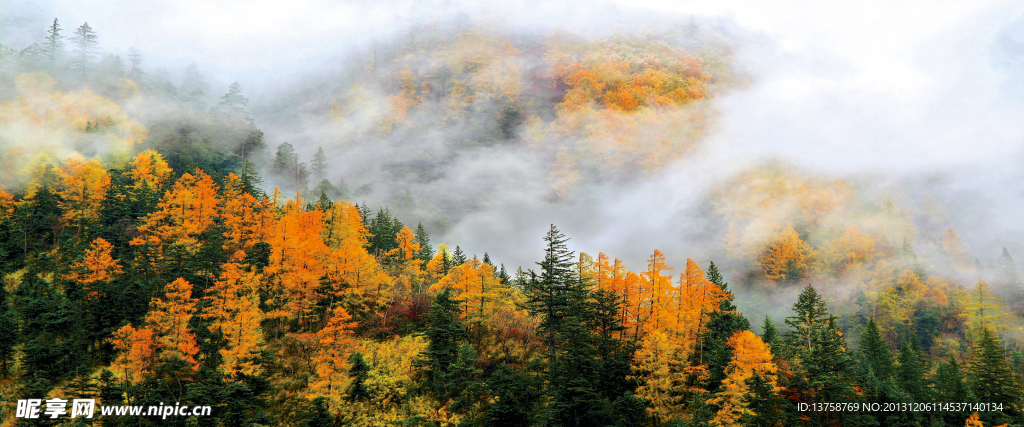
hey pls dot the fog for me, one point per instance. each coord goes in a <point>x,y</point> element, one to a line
<point>915,98</point>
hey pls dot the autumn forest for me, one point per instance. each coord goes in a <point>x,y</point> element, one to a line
<point>157,246</point>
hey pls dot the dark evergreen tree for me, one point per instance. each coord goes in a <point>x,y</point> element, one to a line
<point>446,363</point>
<point>458,257</point>
<point>951,388</point>
<point>824,371</point>
<point>769,409</point>
<point>548,294</point>
<point>770,336</point>
<point>516,398</point>
<point>359,371</point>
<point>383,230</point>
<point>86,48</point>
<point>426,252</point>
<point>318,166</point>
<point>721,325</point>
<point>53,46</point>
<point>318,415</point>
<point>8,333</point>
<point>911,373</point>
<point>503,275</point>
<point>991,379</point>
<point>250,179</point>
<point>874,352</point>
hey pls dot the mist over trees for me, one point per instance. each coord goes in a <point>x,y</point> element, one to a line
<point>156,247</point>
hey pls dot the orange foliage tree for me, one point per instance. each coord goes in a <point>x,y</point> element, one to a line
<point>787,257</point>
<point>184,212</point>
<point>82,186</point>
<point>750,357</point>
<point>297,263</point>
<point>350,268</point>
<point>97,266</point>
<point>234,313</point>
<point>164,335</point>
<point>247,221</point>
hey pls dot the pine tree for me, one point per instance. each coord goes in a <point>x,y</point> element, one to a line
<point>86,48</point>
<point>875,354</point>
<point>1007,270</point>
<point>548,295</point>
<point>359,371</point>
<point>516,397</point>
<point>135,61</point>
<point>319,165</point>
<point>53,46</point>
<point>811,314</point>
<point>8,332</point>
<point>426,252</point>
<point>234,106</point>
<point>950,387</point>
<point>722,324</point>
<point>458,257</point>
<point>445,332</point>
<point>911,373</point>
<point>770,335</point>
<point>991,378</point>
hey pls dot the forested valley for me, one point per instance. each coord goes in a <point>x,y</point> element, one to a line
<point>156,248</point>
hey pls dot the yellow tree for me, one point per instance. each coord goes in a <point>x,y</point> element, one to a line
<point>164,335</point>
<point>695,299</point>
<point>660,290</point>
<point>297,263</point>
<point>7,204</point>
<point>851,249</point>
<point>247,221</point>
<point>477,288</point>
<point>82,186</point>
<point>787,257</point>
<point>234,313</point>
<point>334,343</point>
<point>404,268</point>
<point>956,253</point>
<point>750,357</point>
<point>148,169</point>
<point>184,212</point>
<point>660,359</point>
<point>350,268</point>
<point>983,308</point>
<point>97,266</point>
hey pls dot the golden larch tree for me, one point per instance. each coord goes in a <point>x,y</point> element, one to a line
<point>82,186</point>
<point>751,356</point>
<point>787,257</point>
<point>234,313</point>
<point>98,265</point>
<point>350,268</point>
<point>164,335</point>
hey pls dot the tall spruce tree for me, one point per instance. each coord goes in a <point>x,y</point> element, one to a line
<point>874,352</point>
<point>319,165</point>
<point>548,295</point>
<point>86,48</point>
<point>991,378</point>
<point>721,325</point>
<point>449,361</point>
<point>426,252</point>
<point>53,46</point>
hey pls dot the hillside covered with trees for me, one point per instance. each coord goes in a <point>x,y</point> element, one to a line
<point>155,247</point>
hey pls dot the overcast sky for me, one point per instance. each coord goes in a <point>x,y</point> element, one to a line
<point>869,87</point>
